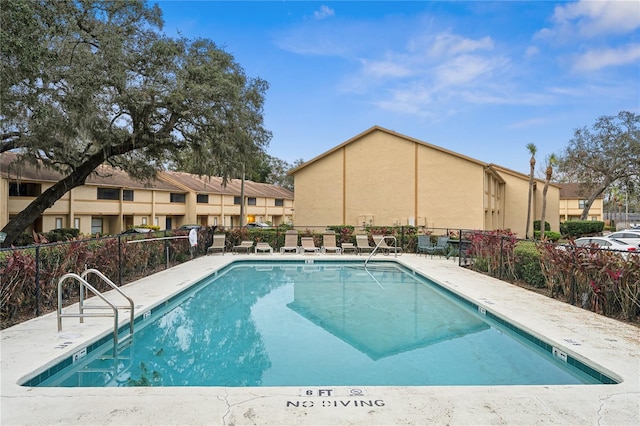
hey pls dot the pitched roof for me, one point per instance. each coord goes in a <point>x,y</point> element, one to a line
<point>168,181</point>
<point>213,185</point>
<point>573,191</point>
<point>495,168</point>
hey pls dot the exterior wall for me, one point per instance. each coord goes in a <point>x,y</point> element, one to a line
<point>451,190</point>
<point>383,178</point>
<point>569,209</point>
<point>320,192</point>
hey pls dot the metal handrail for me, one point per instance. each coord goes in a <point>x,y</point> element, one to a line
<point>81,307</point>
<point>116,288</point>
<point>395,245</point>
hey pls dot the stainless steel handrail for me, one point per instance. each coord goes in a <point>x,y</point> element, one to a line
<point>116,288</point>
<point>395,245</point>
<point>81,306</point>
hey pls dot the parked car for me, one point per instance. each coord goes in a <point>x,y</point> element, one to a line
<point>630,236</point>
<point>137,231</point>
<point>189,227</point>
<point>260,225</point>
<point>607,243</point>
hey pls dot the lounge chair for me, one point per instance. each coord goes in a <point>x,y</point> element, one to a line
<point>382,245</point>
<point>307,245</point>
<point>262,247</point>
<point>290,242</point>
<point>424,242</point>
<point>441,248</point>
<point>245,245</point>
<point>219,242</point>
<point>329,243</point>
<point>362,244</point>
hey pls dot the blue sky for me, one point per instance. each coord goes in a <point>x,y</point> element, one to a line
<point>480,78</point>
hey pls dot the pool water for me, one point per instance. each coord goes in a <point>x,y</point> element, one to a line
<point>326,323</point>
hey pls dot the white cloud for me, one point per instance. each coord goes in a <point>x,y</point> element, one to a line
<point>451,44</point>
<point>385,69</point>
<point>467,69</point>
<point>323,13</point>
<point>601,58</point>
<point>531,52</point>
<point>593,18</point>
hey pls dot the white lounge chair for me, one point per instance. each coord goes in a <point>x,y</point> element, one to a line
<point>262,247</point>
<point>329,243</point>
<point>219,241</point>
<point>362,244</point>
<point>245,245</point>
<point>290,242</point>
<point>307,245</point>
<point>382,245</point>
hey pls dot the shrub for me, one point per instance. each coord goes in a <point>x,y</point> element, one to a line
<point>536,226</point>
<point>62,234</point>
<point>577,228</point>
<point>527,264</point>
<point>548,235</point>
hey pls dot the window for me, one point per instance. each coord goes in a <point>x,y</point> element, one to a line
<point>76,222</point>
<point>144,220</point>
<point>58,223</point>
<point>279,202</point>
<point>251,201</point>
<point>236,200</point>
<point>127,194</point>
<point>202,198</point>
<point>215,221</point>
<point>96,225</point>
<point>24,189</point>
<point>177,198</point>
<point>582,203</point>
<point>156,221</point>
<point>108,193</point>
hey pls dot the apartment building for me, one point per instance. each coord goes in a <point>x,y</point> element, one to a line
<point>572,202</point>
<point>383,178</point>
<point>111,202</point>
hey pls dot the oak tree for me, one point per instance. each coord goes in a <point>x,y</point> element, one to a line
<point>605,154</point>
<point>91,82</point>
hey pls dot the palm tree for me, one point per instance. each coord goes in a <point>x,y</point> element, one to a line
<point>551,161</point>
<point>532,150</point>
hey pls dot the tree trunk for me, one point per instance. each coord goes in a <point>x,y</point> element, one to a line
<point>533,165</point>
<point>26,217</point>
<point>599,190</point>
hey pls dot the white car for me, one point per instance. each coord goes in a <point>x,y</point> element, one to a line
<point>630,236</point>
<point>607,243</point>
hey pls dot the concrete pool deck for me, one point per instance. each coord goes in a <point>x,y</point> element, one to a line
<point>614,347</point>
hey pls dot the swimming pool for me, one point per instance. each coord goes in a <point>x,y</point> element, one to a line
<point>305,324</point>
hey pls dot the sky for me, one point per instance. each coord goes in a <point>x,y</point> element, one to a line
<point>483,79</point>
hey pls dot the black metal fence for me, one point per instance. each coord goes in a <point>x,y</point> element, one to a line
<point>599,280</point>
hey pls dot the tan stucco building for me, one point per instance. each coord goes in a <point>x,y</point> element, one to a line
<point>111,202</point>
<point>384,178</point>
<point>573,200</point>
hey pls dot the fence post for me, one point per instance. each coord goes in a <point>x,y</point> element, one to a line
<point>37,281</point>
<point>501,256</point>
<point>119,260</point>
<point>166,251</point>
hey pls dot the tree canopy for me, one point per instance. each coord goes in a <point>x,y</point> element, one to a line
<point>87,82</point>
<point>603,155</point>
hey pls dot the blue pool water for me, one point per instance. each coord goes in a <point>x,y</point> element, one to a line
<point>326,323</point>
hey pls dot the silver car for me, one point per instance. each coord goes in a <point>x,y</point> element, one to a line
<point>607,243</point>
<point>630,236</point>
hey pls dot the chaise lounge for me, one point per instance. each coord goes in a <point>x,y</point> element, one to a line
<point>290,242</point>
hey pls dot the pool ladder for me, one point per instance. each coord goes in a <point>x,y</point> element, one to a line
<point>112,307</point>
